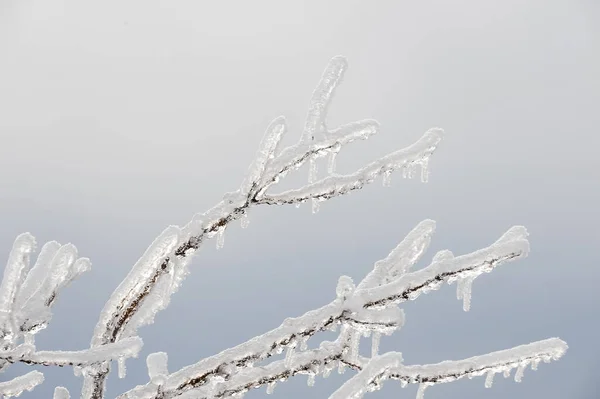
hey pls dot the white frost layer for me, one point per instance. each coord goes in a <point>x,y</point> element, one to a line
<point>128,347</point>
<point>135,283</point>
<point>20,384</point>
<point>390,365</point>
<point>61,393</point>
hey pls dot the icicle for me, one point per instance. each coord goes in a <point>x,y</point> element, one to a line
<point>122,368</point>
<point>341,367</point>
<point>519,373</point>
<point>534,364</point>
<point>304,343</point>
<point>463,291</point>
<point>221,238</point>
<point>271,387</point>
<point>315,205</point>
<point>489,378</point>
<point>506,373</point>
<point>245,221</point>
<point>332,157</point>
<point>311,380</point>
<point>387,178</point>
<point>354,344</point>
<point>312,170</point>
<point>421,391</point>
<point>403,383</point>
<point>366,333</point>
<point>425,170</point>
<point>405,171</point>
<point>327,370</point>
<point>289,356</point>
<point>375,343</point>
<point>77,371</point>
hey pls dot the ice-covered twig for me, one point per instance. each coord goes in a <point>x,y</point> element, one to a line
<point>289,333</point>
<point>14,272</point>
<point>390,365</point>
<point>336,185</point>
<point>157,275</point>
<point>18,385</point>
<point>409,286</point>
<point>354,308</point>
<point>61,393</point>
<point>125,348</point>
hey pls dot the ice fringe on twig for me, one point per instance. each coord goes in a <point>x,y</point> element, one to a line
<point>369,308</point>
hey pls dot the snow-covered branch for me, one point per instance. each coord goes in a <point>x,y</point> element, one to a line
<point>390,365</point>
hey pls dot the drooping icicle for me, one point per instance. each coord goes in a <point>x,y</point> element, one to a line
<point>424,170</point>
<point>311,380</point>
<point>534,364</point>
<point>327,370</point>
<point>245,221</point>
<point>463,291</point>
<point>289,356</point>
<point>341,367</point>
<point>421,391</point>
<point>122,368</point>
<point>304,343</point>
<point>520,372</point>
<point>375,343</point>
<point>387,178</point>
<point>354,344</point>
<point>506,373</point>
<point>489,378</point>
<point>271,387</point>
<point>221,238</point>
<point>332,157</point>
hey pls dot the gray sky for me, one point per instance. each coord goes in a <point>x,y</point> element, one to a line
<point>118,118</point>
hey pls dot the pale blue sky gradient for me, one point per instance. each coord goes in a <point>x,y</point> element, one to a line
<point>118,118</point>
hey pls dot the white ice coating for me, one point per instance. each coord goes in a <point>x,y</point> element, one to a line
<point>20,384</point>
<point>266,153</point>
<point>358,304</point>
<point>128,347</point>
<point>336,185</point>
<point>390,365</point>
<point>367,309</point>
<point>61,393</point>
<point>144,269</point>
<point>14,272</point>
<point>157,367</point>
<point>321,97</point>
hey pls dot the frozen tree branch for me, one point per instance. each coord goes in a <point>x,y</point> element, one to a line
<point>128,347</point>
<point>158,274</point>
<point>367,309</point>
<point>390,365</point>
<point>20,384</point>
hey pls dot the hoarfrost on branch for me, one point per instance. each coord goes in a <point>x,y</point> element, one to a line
<point>368,308</point>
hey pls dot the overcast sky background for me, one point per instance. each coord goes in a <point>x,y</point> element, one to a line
<point>118,118</point>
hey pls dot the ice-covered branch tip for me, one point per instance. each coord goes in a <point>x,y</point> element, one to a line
<point>20,384</point>
<point>390,365</point>
<point>26,295</point>
<point>353,307</point>
<point>158,274</point>
<point>126,348</point>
